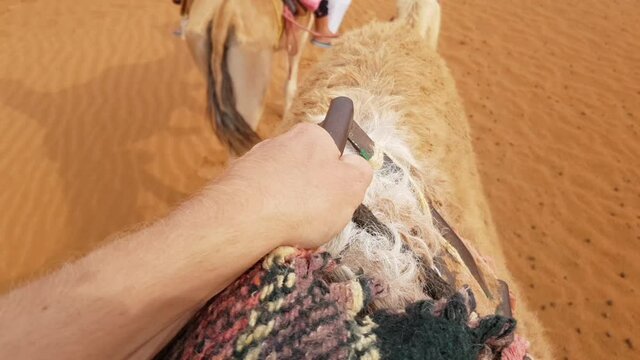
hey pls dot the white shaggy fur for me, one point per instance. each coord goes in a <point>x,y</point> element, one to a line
<point>394,200</point>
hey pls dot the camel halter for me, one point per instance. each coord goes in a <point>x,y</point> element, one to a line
<point>340,125</point>
<point>285,11</point>
<point>290,20</point>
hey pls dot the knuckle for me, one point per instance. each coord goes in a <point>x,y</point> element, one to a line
<point>362,170</point>
<point>363,176</point>
<point>366,171</point>
<point>305,133</point>
<point>304,128</point>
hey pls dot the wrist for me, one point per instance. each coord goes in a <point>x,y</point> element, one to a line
<point>240,209</point>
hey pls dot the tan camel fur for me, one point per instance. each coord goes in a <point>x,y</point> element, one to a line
<point>233,43</point>
<point>406,99</point>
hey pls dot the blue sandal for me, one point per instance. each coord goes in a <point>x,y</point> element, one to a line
<point>321,44</point>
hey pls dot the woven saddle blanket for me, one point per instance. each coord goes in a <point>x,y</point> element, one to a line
<point>292,305</point>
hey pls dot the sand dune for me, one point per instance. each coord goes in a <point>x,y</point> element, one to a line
<point>553,95</point>
<point>102,127</point>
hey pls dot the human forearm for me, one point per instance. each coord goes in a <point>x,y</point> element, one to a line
<point>128,296</point>
<point>195,253</point>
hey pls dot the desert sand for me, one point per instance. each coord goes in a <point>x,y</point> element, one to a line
<point>103,127</point>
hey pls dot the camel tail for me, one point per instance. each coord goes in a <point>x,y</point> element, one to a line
<point>422,15</point>
<point>229,125</point>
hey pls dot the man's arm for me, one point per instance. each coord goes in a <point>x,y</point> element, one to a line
<point>130,296</point>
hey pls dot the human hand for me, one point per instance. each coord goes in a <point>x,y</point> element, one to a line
<point>298,187</point>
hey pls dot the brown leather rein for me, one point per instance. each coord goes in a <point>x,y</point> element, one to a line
<point>340,125</point>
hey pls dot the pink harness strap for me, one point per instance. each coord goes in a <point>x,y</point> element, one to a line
<point>290,20</point>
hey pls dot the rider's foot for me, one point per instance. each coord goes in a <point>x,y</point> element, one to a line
<point>322,28</point>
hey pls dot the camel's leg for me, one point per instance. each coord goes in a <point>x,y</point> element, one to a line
<point>294,66</point>
<point>424,16</point>
<point>250,70</point>
<point>201,14</point>
<point>434,14</point>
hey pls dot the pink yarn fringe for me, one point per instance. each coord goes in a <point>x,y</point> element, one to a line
<point>517,350</point>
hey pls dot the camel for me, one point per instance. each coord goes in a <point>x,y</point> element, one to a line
<point>233,43</point>
<point>406,100</point>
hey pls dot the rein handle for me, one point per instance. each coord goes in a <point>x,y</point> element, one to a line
<point>338,121</point>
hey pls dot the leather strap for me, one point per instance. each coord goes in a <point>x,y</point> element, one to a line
<point>361,141</point>
<point>465,254</point>
<point>339,122</point>
<point>504,308</point>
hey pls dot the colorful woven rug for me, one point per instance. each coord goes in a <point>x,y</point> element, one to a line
<point>294,305</point>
